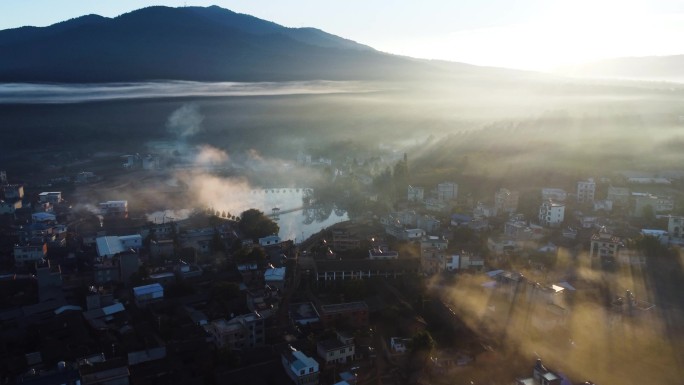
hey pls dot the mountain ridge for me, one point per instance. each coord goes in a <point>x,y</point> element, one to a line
<point>188,43</point>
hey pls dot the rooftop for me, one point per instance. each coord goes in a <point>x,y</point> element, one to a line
<point>303,310</point>
<point>275,274</point>
<point>369,265</point>
<point>108,246</point>
<point>344,307</point>
<point>147,289</point>
<point>332,344</point>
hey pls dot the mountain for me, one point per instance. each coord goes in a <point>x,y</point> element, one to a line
<point>660,68</point>
<point>190,43</point>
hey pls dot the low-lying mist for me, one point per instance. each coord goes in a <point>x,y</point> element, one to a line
<point>14,93</point>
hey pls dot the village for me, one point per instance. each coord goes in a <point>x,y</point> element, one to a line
<point>428,285</point>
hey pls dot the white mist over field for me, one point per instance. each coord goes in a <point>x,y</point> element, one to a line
<point>79,93</point>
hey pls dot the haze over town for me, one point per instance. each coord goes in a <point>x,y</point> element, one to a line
<point>202,194</point>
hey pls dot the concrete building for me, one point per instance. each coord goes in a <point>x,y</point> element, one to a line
<point>270,240</point>
<point>304,313</point>
<point>110,372</point>
<point>415,194</point>
<point>13,192</point>
<point>43,217</point>
<point>619,196</point>
<point>117,209</point>
<point>30,253</point>
<point>382,253</point>
<point>586,190</point>
<point>337,350</point>
<point>551,214</point>
<point>343,240</point>
<point>428,223</point>
<point>352,314</point>
<point>555,194</point>
<point>10,207</point>
<point>506,201</point>
<point>520,230</point>
<point>447,191</point>
<point>399,344</point>
<point>109,246</point>
<point>541,376</point>
<point>435,205</point>
<point>675,226</point>
<point>241,332</point>
<point>144,295</point>
<point>604,245</point>
<point>404,234</point>
<point>433,255</point>
<point>340,270</point>
<point>275,277</point>
<point>302,369</point>
<point>52,197</point>
<point>659,204</point>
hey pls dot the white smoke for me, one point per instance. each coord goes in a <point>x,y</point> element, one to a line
<point>185,121</point>
<point>210,156</point>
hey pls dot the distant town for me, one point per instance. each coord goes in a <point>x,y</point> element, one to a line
<point>418,284</point>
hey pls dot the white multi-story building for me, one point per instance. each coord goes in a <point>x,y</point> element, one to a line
<point>302,369</point>
<point>506,201</point>
<point>114,208</point>
<point>586,190</point>
<point>241,332</point>
<point>551,214</point>
<point>53,197</point>
<point>675,227</point>
<point>415,194</point>
<point>447,191</point>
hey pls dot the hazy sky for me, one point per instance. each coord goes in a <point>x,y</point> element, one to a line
<point>528,34</point>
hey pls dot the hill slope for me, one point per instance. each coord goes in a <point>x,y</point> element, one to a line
<point>191,43</point>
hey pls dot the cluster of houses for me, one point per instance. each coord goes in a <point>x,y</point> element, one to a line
<point>121,284</point>
<point>110,306</point>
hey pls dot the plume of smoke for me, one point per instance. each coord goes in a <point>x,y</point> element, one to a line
<point>86,207</point>
<point>210,156</point>
<point>185,121</point>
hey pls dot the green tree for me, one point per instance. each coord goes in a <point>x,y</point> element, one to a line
<point>648,214</point>
<point>254,255</point>
<point>401,177</point>
<point>422,341</point>
<point>254,224</point>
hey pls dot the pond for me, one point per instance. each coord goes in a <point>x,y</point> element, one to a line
<point>287,206</point>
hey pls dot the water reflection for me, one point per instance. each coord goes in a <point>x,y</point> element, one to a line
<point>290,207</point>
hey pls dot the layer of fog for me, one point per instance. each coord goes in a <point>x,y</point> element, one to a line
<point>25,93</point>
<point>591,341</point>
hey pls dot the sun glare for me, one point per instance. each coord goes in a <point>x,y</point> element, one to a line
<point>566,35</point>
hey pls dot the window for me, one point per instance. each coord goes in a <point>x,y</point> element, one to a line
<point>342,350</point>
